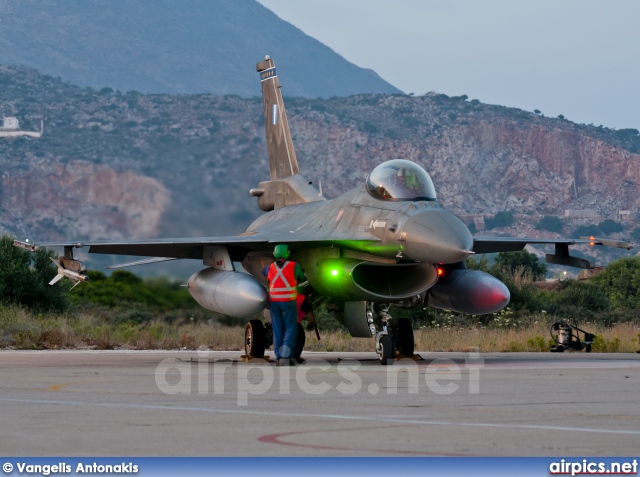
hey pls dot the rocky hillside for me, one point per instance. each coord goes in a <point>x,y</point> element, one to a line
<point>169,46</point>
<point>114,165</point>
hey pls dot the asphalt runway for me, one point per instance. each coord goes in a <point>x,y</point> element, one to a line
<point>151,403</point>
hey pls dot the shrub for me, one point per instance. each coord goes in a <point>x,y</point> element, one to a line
<point>550,223</point>
<point>585,296</point>
<point>529,262</point>
<point>501,219</point>
<point>586,231</point>
<point>610,226</point>
<point>25,277</point>
<point>621,282</point>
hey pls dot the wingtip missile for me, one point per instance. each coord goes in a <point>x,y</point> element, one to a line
<point>75,277</point>
<point>608,243</point>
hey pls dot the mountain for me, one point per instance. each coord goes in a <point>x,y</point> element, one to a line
<point>113,165</point>
<point>167,46</point>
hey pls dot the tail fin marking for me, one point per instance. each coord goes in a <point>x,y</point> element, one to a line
<point>282,156</point>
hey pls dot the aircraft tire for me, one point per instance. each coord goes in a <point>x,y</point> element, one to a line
<point>387,351</point>
<point>254,339</point>
<point>404,337</point>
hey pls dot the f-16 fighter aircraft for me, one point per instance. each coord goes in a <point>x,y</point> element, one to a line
<point>385,242</point>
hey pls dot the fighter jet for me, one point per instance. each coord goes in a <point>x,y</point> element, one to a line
<point>386,242</point>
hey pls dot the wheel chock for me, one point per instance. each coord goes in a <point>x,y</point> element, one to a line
<point>414,357</point>
<point>244,358</point>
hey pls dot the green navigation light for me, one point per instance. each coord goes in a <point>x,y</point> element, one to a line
<point>334,273</point>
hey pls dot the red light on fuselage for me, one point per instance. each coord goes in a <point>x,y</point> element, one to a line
<point>440,271</point>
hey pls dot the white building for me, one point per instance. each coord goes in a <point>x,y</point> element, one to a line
<point>9,122</point>
<point>11,128</point>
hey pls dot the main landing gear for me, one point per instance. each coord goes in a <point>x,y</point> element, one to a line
<point>257,338</point>
<point>392,339</point>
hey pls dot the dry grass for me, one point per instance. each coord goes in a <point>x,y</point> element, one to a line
<point>622,338</point>
<point>20,329</point>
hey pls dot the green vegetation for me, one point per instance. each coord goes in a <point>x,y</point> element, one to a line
<point>550,223</point>
<point>587,231</point>
<point>511,262</point>
<point>123,288</point>
<point>609,227</point>
<point>621,283</point>
<point>24,278</point>
<point>501,219</point>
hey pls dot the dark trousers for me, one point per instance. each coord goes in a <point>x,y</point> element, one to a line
<point>285,327</point>
<point>300,339</point>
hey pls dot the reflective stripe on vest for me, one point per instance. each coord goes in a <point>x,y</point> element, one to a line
<point>282,282</point>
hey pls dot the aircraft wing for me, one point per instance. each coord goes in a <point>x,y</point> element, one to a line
<point>194,247</point>
<point>513,244</point>
<point>561,253</point>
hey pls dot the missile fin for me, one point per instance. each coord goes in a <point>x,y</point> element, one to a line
<point>56,279</point>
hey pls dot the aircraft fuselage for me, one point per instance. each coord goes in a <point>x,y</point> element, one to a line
<point>348,235</point>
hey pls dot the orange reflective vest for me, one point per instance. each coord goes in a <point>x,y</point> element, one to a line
<point>282,282</point>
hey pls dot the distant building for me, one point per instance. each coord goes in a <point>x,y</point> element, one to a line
<point>626,216</point>
<point>11,128</point>
<point>577,214</point>
<point>10,123</point>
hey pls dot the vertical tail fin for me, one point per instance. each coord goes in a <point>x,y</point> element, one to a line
<point>282,157</point>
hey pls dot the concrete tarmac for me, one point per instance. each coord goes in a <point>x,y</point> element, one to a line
<point>177,403</point>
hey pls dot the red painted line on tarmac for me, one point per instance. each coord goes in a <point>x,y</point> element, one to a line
<point>276,439</point>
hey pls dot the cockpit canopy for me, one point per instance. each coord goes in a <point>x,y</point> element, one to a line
<point>400,179</point>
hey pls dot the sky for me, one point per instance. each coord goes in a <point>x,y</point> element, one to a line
<point>578,58</point>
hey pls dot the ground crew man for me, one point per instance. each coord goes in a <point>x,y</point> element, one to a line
<point>283,277</point>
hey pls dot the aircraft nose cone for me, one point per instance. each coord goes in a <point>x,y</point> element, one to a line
<point>436,236</point>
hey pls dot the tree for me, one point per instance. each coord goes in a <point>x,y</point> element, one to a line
<point>635,234</point>
<point>512,261</point>
<point>501,219</point>
<point>610,226</point>
<point>587,295</point>
<point>621,282</point>
<point>25,277</point>
<point>586,231</point>
<point>550,223</point>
